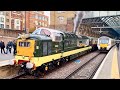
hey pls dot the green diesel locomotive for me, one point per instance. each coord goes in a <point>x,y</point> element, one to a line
<point>46,48</point>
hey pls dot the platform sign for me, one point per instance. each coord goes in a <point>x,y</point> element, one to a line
<point>77,61</point>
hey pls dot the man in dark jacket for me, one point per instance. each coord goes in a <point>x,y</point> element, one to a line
<point>2,47</point>
<point>117,44</point>
<point>8,47</point>
<point>14,47</point>
<point>0,44</point>
<point>11,43</point>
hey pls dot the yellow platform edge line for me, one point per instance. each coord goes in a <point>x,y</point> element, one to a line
<point>115,68</point>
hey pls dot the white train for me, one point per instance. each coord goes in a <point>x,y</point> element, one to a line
<point>105,43</point>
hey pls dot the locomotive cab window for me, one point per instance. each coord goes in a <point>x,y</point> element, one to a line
<point>24,44</point>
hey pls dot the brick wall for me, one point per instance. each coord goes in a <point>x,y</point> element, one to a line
<point>61,27</point>
<point>8,34</point>
<point>6,39</point>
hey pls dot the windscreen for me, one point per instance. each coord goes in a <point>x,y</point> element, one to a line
<point>24,44</point>
<point>104,41</point>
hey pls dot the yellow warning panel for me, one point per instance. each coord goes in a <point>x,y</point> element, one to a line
<point>115,68</point>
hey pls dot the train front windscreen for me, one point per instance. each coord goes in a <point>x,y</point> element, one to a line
<point>105,41</point>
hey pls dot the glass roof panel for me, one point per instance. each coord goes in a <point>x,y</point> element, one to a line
<point>110,18</point>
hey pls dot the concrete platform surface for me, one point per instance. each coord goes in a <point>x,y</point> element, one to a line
<point>109,67</point>
<point>5,58</point>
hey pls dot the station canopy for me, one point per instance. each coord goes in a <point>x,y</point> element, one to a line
<point>105,25</point>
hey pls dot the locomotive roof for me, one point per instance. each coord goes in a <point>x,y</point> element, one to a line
<point>51,30</point>
<point>104,37</point>
<point>84,37</point>
<point>40,37</point>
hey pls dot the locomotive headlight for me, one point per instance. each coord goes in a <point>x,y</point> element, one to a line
<point>12,62</point>
<point>108,47</point>
<point>98,47</point>
<point>29,65</point>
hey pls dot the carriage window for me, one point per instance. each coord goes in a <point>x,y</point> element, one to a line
<point>80,41</point>
<point>72,41</point>
<point>66,43</point>
<point>69,42</point>
<point>49,48</point>
<point>44,48</point>
<point>58,38</point>
<point>24,44</point>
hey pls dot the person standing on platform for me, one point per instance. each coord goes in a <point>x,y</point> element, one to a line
<point>117,45</point>
<point>14,47</point>
<point>8,47</point>
<point>2,46</point>
<point>11,43</point>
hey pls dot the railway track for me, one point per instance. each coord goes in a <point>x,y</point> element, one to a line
<point>22,75</point>
<point>71,75</point>
<point>8,71</point>
<point>15,76</point>
<point>88,69</point>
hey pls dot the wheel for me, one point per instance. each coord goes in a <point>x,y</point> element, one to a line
<point>36,74</point>
<point>58,63</point>
<point>21,70</point>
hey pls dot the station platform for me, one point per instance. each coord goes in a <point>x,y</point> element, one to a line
<point>5,58</point>
<point>110,67</point>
